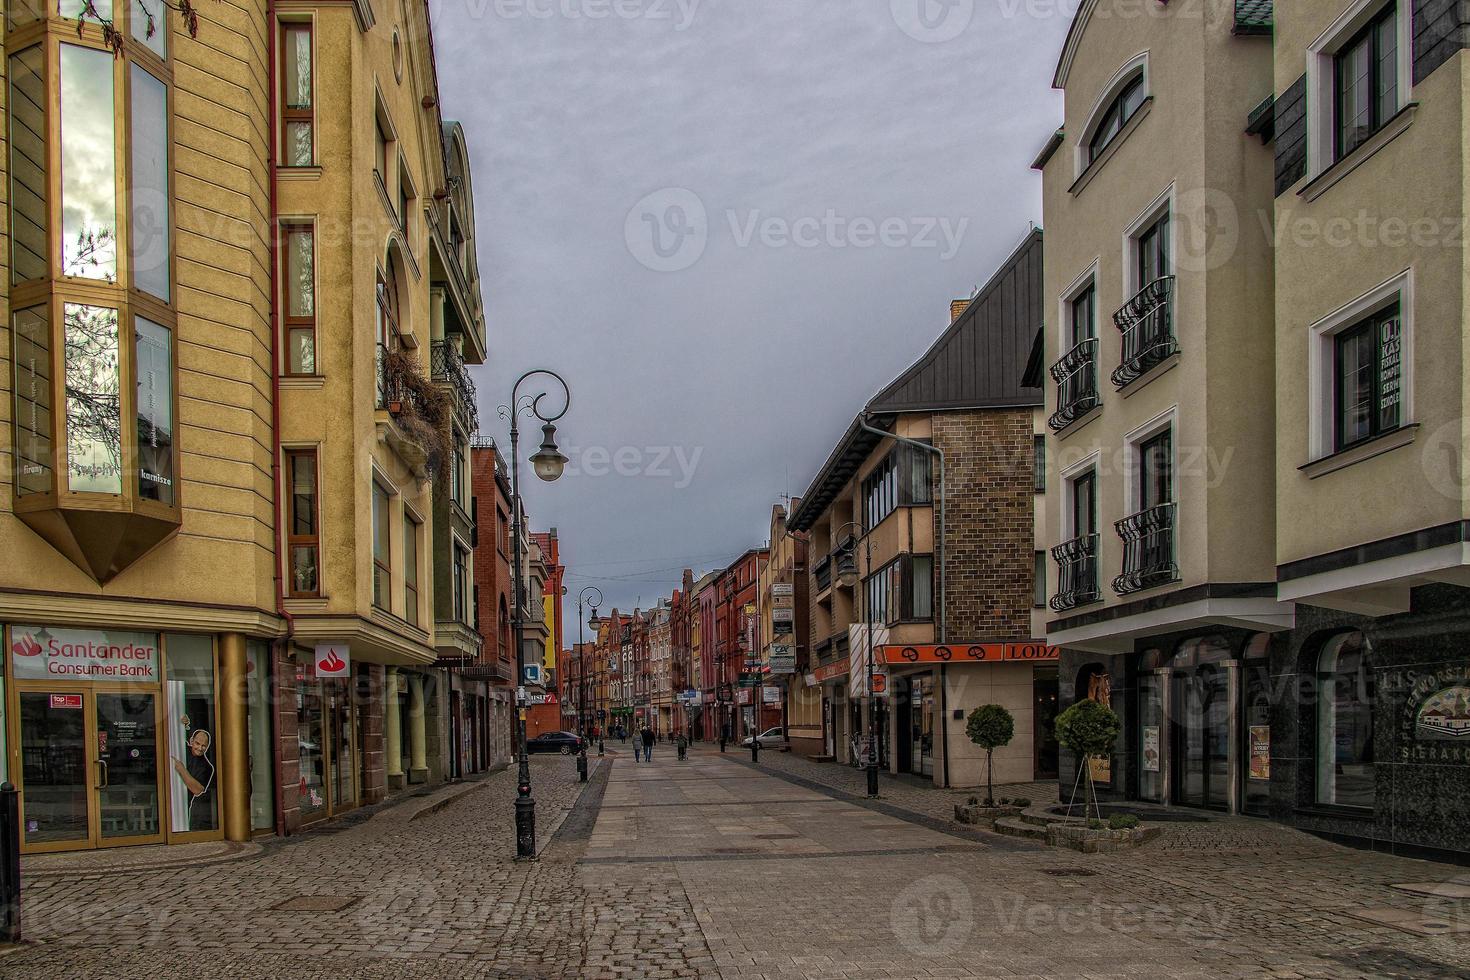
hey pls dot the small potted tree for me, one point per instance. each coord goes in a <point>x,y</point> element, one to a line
<point>1090,730</point>
<point>989,726</point>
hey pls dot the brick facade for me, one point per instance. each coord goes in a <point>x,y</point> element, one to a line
<point>370,721</point>
<point>989,544</point>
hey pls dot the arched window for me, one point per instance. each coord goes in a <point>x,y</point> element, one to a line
<point>1112,119</point>
<point>388,306</point>
<point>1345,689</point>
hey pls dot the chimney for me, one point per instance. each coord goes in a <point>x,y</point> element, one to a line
<point>956,308</point>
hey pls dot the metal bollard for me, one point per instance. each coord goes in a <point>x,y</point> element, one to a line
<point>9,864</point>
<point>601,748</point>
<point>582,765</point>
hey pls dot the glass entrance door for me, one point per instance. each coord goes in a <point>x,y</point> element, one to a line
<point>1202,738</point>
<point>89,769</point>
<point>127,763</point>
<point>342,729</point>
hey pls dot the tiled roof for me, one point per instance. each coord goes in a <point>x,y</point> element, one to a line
<point>1253,15</point>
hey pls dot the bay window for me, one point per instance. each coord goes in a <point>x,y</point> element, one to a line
<point>94,393</point>
<point>410,568</point>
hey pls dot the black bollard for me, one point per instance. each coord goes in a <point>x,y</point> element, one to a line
<point>582,764</point>
<point>9,864</point>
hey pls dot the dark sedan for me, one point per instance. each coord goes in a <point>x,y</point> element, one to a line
<point>564,742</point>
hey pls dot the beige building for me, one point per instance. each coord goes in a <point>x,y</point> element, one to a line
<point>222,483</point>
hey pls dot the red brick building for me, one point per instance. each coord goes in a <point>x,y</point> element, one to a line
<point>490,484</point>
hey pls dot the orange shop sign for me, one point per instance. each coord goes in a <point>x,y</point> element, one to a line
<point>967,653</point>
<point>828,671</point>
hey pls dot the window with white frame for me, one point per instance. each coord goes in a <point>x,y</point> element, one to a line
<point>1361,369</point>
<point>1359,72</point>
<point>1120,100</point>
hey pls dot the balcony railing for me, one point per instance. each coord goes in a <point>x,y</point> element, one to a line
<point>1076,378</point>
<point>446,365</point>
<point>1147,322</point>
<point>1148,549</point>
<point>1076,572</point>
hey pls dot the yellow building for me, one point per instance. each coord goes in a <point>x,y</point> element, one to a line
<point>221,481</point>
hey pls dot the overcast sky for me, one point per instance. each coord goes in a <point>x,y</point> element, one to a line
<point>728,223</point>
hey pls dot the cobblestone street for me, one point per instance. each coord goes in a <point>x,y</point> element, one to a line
<point>715,868</point>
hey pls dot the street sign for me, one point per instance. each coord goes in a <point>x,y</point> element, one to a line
<point>520,695</point>
<point>750,680</point>
<point>531,674</point>
<point>783,590</point>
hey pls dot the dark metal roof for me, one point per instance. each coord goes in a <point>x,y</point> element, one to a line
<point>1253,16</point>
<point>978,362</point>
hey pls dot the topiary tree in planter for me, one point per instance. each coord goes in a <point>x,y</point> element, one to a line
<point>1090,730</point>
<point>990,726</point>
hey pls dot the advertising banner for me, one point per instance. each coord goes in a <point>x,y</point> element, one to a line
<point>770,695</point>
<point>1260,752</point>
<point>857,658</point>
<point>1151,748</point>
<point>966,653</point>
<point>783,658</point>
<point>38,653</point>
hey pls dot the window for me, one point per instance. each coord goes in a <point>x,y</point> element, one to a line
<point>381,143</point>
<point>382,549</point>
<point>88,164</point>
<point>410,569</point>
<point>903,478</point>
<point>154,403</point>
<point>194,782</point>
<point>1039,579</point>
<point>1156,471</point>
<point>1115,117</point>
<point>458,484</point>
<point>1345,692</point>
<point>461,584</point>
<point>1038,470</point>
<point>1365,77</point>
<point>1083,310</point>
<point>303,529</point>
<point>880,492</point>
<point>93,438</point>
<point>920,481</point>
<point>1367,362</point>
<point>921,587</point>
<point>387,310</point>
<point>405,196</point>
<point>31,337</point>
<point>148,209</point>
<point>1084,505</point>
<point>300,289</point>
<point>1152,253</point>
<point>297,118</point>
<point>28,223</point>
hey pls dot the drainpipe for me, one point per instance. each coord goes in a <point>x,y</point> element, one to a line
<point>939,545</point>
<point>278,499</point>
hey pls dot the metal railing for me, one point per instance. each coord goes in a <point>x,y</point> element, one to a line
<point>1076,377</point>
<point>394,392</point>
<point>1147,323</point>
<point>446,365</point>
<point>1148,549</point>
<point>1076,572</point>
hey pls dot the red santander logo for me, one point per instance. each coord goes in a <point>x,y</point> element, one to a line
<point>332,661</point>
<point>25,645</point>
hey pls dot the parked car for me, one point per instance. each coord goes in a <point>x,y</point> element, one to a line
<point>564,742</point>
<point>771,738</point>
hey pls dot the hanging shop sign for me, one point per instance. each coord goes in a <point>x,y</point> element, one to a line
<point>39,653</point>
<point>783,658</point>
<point>770,695</point>
<point>828,672</point>
<point>966,653</point>
<point>783,616</point>
<point>750,679</point>
<point>783,590</point>
<point>333,660</point>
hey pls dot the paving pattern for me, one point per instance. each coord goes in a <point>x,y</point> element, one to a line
<point>714,868</point>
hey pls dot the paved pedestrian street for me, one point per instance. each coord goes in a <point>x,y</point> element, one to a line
<point>713,867</point>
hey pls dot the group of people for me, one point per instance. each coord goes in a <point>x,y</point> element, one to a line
<point>643,740</point>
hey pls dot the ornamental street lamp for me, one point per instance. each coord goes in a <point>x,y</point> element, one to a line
<point>548,463</point>
<point>594,622</point>
<point>847,576</point>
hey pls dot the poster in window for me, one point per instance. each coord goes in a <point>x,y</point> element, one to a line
<point>1260,752</point>
<point>1151,748</point>
<point>192,752</point>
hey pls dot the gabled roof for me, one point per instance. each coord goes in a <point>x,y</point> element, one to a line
<point>978,362</point>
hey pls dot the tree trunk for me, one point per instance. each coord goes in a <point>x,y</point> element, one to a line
<point>989,780</point>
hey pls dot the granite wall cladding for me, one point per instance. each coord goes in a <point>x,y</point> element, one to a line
<point>1291,135</point>
<point>1440,28</point>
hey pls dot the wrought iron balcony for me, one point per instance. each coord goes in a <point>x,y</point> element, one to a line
<point>1076,572</point>
<point>1076,378</point>
<point>1147,322</point>
<point>1148,549</point>
<point>446,365</point>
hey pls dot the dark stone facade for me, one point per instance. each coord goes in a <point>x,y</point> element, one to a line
<point>1422,791</point>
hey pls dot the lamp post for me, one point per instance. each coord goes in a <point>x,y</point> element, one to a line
<point>595,622</point>
<point>847,575</point>
<point>548,463</point>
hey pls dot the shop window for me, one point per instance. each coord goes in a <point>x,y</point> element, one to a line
<point>298,121</point>
<point>193,754</point>
<point>1345,752</point>
<point>300,294</point>
<point>262,758</point>
<point>303,536</point>
<point>311,742</point>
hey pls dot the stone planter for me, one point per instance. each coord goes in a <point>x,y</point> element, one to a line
<point>983,815</point>
<point>1089,841</point>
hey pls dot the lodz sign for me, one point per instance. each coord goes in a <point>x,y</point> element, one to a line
<point>333,660</point>
<point>967,653</point>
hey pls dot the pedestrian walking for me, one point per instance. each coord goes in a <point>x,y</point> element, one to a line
<point>647,745</point>
<point>637,750</point>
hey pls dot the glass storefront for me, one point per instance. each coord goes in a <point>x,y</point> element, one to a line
<point>194,799</point>
<point>262,759</point>
<point>328,741</point>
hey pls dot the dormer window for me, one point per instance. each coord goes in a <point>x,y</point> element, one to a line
<point>1116,116</point>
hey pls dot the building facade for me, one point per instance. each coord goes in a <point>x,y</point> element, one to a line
<point>921,537</point>
<point>783,632</point>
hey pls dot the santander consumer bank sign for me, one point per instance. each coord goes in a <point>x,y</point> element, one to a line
<point>42,653</point>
